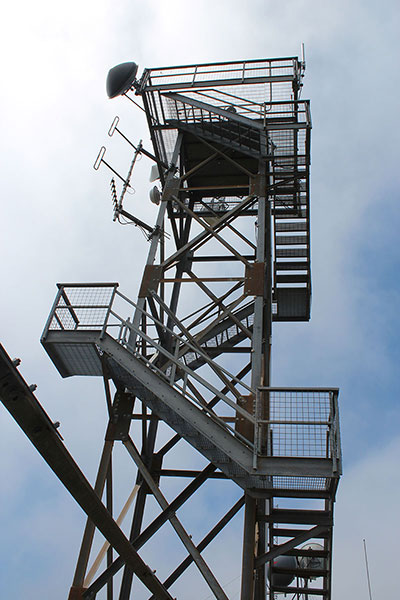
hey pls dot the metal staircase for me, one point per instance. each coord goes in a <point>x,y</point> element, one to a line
<point>310,572</point>
<point>87,334</point>
<point>219,125</point>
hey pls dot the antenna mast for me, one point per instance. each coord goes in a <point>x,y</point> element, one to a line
<point>367,569</point>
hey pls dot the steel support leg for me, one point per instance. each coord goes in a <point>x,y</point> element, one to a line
<point>249,540</point>
<point>88,534</point>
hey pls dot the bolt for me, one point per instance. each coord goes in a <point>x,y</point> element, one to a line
<point>33,387</point>
<point>16,362</point>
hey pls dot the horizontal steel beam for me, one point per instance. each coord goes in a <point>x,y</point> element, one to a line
<point>218,82</point>
<point>300,517</point>
<point>282,548</point>
<point>300,591</point>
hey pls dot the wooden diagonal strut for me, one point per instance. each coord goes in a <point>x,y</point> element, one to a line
<point>183,535</point>
<point>88,535</point>
<point>152,528</point>
<point>104,465</point>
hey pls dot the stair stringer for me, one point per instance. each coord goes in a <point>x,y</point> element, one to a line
<point>219,446</point>
<point>212,439</point>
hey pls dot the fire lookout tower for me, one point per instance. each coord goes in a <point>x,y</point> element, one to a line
<point>229,255</point>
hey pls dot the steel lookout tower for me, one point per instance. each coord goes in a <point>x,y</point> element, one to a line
<point>186,364</point>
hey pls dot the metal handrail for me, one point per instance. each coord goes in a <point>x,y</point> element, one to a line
<point>182,366</point>
<point>161,77</point>
<point>178,338</point>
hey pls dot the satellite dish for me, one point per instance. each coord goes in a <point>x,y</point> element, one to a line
<point>283,562</point>
<point>312,562</point>
<point>120,79</point>
<point>155,195</point>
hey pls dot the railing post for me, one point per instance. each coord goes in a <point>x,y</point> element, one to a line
<point>52,312</point>
<point>103,331</point>
<point>332,430</point>
<point>257,425</point>
<point>336,458</point>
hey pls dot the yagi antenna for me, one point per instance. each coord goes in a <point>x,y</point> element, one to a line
<point>303,57</point>
<point>118,210</point>
<point>117,202</point>
<point>114,198</point>
<point>114,128</point>
<point>100,159</point>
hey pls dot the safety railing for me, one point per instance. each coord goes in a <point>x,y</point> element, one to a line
<point>100,307</point>
<point>299,423</point>
<point>272,115</point>
<point>228,73</point>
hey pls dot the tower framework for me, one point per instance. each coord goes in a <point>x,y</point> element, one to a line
<point>186,366</point>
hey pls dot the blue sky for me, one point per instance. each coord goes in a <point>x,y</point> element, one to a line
<point>57,226</point>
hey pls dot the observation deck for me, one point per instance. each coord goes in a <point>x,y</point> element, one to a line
<point>247,111</point>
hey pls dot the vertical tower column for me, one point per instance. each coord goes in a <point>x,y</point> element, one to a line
<point>254,538</point>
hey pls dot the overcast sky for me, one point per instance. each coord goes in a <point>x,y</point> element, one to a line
<point>56,225</point>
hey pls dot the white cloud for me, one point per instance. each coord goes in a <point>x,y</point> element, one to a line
<point>57,225</point>
<point>367,508</point>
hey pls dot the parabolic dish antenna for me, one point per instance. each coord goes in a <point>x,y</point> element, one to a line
<point>120,79</point>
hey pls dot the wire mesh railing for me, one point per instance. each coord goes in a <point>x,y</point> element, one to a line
<point>301,423</point>
<point>235,72</point>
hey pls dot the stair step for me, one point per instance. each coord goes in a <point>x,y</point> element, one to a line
<point>300,590</point>
<point>289,199</point>
<point>225,334</point>
<point>311,517</point>
<point>290,533</point>
<point>291,252</point>
<point>299,552</point>
<point>286,240</point>
<point>299,226</point>
<point>285,212</point>
<point>304,278</point>
<point>292,266</point>
<point>304,573</point>
<point>299,184</point>
<point>237,136</point>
